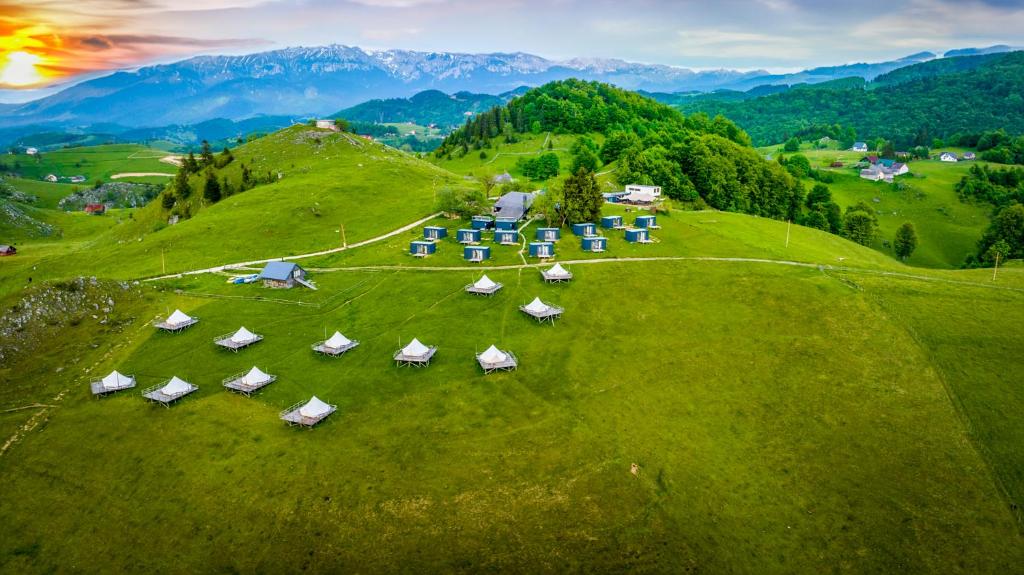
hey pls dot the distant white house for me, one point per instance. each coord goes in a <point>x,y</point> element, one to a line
<point>948,157</point>
<point>31,151</point>
<point>327,125</point>
<point>969,156</point>
<point>636,193</point>
<point>51,178</point>
<point>860,147</point>
<point>875,173</point>
<point>884,170</point>
<point>77,179</point>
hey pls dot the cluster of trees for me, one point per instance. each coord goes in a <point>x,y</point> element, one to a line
<point>995,146</point>
<point>543,167</point>
<point>999,187</point>
<point>911,106</point>
<point>1004,189</point>
<point>203,174</point>
<point>859,223</point>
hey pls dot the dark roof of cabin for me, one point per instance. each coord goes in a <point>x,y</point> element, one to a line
<point>280,271</point>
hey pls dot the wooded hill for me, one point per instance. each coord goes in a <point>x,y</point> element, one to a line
<point>910,106</point>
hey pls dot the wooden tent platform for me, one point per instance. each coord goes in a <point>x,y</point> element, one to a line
<point>292,415</point>
<point>510,363</point>
<point>226,342</point>
<point>551,314</point>
<point>155,395</point>
<point>415,361</point>
<point>236,383</point>
<point>98,389</point>
<point>481,291</point>
<point>320,348</point>
<point>553,279</point>
<point>175,328</point>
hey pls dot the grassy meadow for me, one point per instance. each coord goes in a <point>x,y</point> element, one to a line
<point>95,163</point>
<point>851,414</point>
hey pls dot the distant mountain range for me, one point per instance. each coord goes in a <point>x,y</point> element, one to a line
<point>320,81</point>
<point>427,107</point>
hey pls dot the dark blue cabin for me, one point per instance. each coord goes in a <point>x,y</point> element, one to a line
<point>434,232</point>
<point>638,235</point>
<point>505,223</point>
<point>542,249</point>
<point>611,222</point>
<point>476,253</point>
<point>483,222</point>
<point>506,237</point>
<point>548,234</point>
<point>422,248</point>
<point>646,222</point>
<point>594,243</point>
<point>585,229</point>
<point>468,236</point>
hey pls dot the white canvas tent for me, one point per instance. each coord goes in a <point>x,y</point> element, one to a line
<point>336,345</point>
<point>174,389</point>
<point>484,286</point>
<point>494,359</point>
<point>250,381</point>
<point>557,274</point>
<point>177,321</point>
<point>256,376</point>
<point>308,413</point>
<point>415,354</point>
<point>115,381</point>
<point>541,311</point>
<point>236,341</point>
<point>243,335</point>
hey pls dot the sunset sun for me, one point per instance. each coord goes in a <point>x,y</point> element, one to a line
<point>19,69</point>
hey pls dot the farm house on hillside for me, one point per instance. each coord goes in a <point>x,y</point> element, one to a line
<point>6,250</point>
<point>283,275</point>
<point>52,178</point>
<point>638,194</point>
<point>327,125</point>
<point>95,209</point>
<point>948,157</point>
<point>859,147</point>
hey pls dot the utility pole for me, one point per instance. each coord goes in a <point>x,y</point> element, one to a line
<point>788,224</point>
<point>163,261</point>
<point>995,269</point>
<point>344,243</point>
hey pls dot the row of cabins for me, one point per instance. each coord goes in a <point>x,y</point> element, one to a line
<point>952,157</point>
<point>545,238</point>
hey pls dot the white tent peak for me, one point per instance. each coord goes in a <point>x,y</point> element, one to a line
<point>178,317</point>
<point>537,306</point>
<point>337,341</point>
<point>415,349</point>
<point>484,283</point>
<point>557,270</point>
<point>243,335</point>
<point>255,377</point>
<point>493,355</point>
<point>314,408</point>
<point>116,380</point>
<point>175,386</point>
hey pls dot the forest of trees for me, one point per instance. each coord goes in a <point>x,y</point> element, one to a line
<point>910,106</point>
<point>1003,188</point>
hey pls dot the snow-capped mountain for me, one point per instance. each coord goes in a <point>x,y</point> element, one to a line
<point>322,80</point>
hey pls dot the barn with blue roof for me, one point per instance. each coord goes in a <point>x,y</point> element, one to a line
<point>283,275</point>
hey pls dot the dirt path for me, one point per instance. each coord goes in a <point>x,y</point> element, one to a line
<point>139,175</point>
<point>224,267</point>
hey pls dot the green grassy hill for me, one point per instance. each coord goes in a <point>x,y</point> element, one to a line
<point>793,406</point>
<point>95,163</point>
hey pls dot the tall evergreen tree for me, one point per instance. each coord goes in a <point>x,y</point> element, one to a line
<point>905,241</point>
<point>581,198</point>
<point>211,188</point>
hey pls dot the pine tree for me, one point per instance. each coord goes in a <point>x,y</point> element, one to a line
<point>182,189</point>
<point>211,189</point>
<point>206,154</point>
<point>582,197</point>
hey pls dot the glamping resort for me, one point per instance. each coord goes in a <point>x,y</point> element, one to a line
<point>112,383</point>
<point>495,359</point>
<point>169,392</point>
<point>176,322</point>
<point>421,248</point>
<point>557,274</point>
<point>240,339</point>
<point>334,346</point>
<point>284,275</point>
<point>476,253</point>
<point>248,382</point>
<point>541,311</point>
<point>435,233</point>
<point>595,244</point>
<point>638,236</point>
<point>482,222</point>
<point>415,354</point>
<point>308,413</point>
<point>483,286</point>
<point>468,236</point>
<point>542,250</point>
<point>549,234</point>
<point>612,222</point>
<point>585,229</point>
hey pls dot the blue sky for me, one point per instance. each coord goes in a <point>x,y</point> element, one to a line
<point>86,37</point>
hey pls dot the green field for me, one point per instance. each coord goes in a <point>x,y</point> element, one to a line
<point>800,405</point>
<point>95,163</point>
<point>503,157</point>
